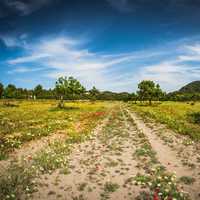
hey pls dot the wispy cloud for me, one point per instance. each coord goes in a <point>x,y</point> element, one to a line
<point>193,53</point>
<point>27,59</point>
<point>121,5</point>
<point>63,56</point>
<point>26,7</point>
<point>173,74</point>
<point>9,41</point>
<point>14,41</point>
<point>23,70</point>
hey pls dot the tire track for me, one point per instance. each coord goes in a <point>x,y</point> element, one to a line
<point>169,158</point>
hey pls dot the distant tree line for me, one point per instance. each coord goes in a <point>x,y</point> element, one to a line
<point>66,88</point>
<point>69,88</point>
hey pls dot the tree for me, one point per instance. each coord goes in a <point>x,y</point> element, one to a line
<point>158,92</point>
<point>68,87</point>
<point>38,91</point>
<point>148,90</point>
<point>10,91</point>
<point>134,97</point>
<point>1,90</point>
<point>75,88</point>
<point>93,93</point>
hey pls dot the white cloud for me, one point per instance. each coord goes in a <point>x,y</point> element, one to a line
<point>171,75</point>
<point>23,70</point>
<point>192,53</point>
<point>63,56</point>
<point>26,59</point>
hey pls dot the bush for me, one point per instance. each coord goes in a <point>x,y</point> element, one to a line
<point>194,117</point>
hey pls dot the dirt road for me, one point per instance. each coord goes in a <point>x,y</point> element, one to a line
<point>120,151</point>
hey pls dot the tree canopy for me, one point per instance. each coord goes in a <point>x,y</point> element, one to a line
<point>68,87</point>
<point>148,90</point>
<point>71,89</point>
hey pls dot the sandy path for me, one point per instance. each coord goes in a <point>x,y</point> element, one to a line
<point>170,157</point>
<point>104,167</point>
<point>100,168</point>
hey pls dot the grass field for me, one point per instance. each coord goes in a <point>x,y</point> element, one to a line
<point>29,120</point>
<point>98,150</point>
<point>183,118</point>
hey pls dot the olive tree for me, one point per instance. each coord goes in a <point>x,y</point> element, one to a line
<point>68,87</point>
<point>148,90</point>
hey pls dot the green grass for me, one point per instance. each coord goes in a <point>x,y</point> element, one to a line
<point>110,187</point>
<point>187,180</point>
<point>18,178</point>
<point>176,115</point>
<point>31,120</point>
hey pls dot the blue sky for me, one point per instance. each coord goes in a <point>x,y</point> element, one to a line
<point>112,44</point>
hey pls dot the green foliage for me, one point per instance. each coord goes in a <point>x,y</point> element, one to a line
<point>176,115</point>
<point>38,91</point>
<point>110,187</point>
<point>187,180</point>
<point>17,180</point>
<point>71,89</point>
<point>10,91</point>
<point>68,88</point>
<point>1,90</point>
<point>194,117</point>
<point>20,124</point>
<point>193,87</point>
<point>148,90</point>
<point>93,94</point>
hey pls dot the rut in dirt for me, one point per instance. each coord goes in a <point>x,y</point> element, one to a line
<point>171,158</point>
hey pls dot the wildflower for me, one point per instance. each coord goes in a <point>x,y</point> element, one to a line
<point>155,196</point>
<point>153,169</point>
<point>150,184</point>
<point>139,183</point>
<point>29,157</point>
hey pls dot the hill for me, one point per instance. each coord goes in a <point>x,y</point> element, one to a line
<point>193,87</point>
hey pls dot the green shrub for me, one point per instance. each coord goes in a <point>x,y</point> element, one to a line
<point>194,117</point>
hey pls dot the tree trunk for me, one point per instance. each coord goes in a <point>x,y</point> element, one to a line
<point>61,103</point>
